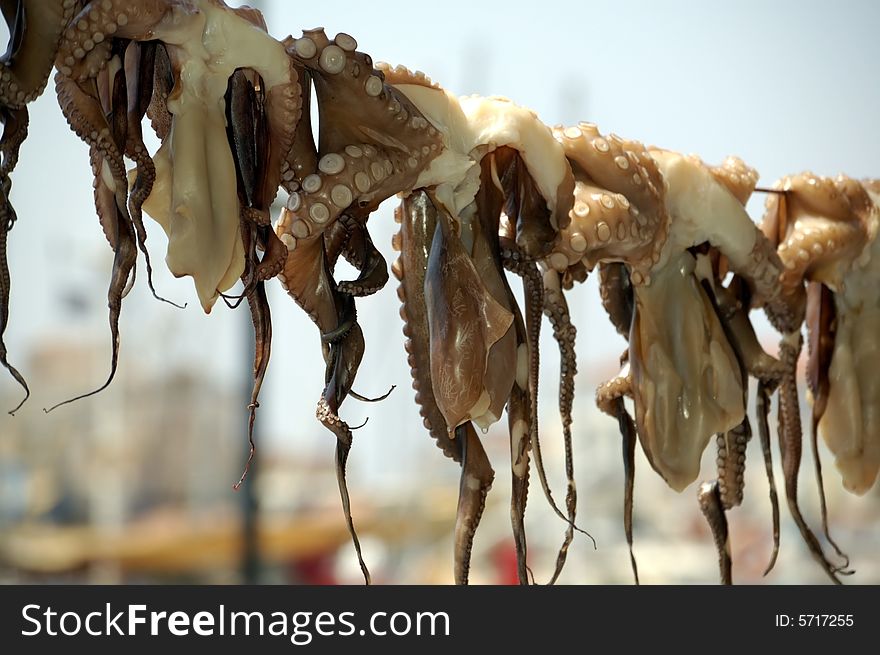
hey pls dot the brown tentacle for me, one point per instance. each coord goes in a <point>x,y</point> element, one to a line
<point>609,399</point>
<point>417,216</point>
<point>731,463</point>
<point>345,357</point>
<point>35,28</point>
<point>476,480</point>
<point>615,290</point>
<point>712,507</point>
<point>762,409</point>
<point>564,332</point>
<point>139,73</point>
<point>261,318</point>
<point>371,264</point>
<point>821,333</point>
<point>163,83</point>
<point>518,412</point>
<point>124,259</point>
<point>790,447</point>
<point>15,124</point>
<point>533,292</point>
<point>535,232</point>
<point>104,128</point>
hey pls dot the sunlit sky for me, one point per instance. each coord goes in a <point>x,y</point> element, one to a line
<point>787,85</point>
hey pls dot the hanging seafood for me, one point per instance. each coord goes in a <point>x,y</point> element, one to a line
<point>35,28</point>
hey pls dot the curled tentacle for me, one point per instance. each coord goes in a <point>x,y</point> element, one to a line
<point>125,255</point>
<point>345,356</point>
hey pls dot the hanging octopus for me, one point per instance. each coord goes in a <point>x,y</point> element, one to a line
<point>35,28</point>
<point>223,97</point>
<point>825,231</point>
<point>666,219</point>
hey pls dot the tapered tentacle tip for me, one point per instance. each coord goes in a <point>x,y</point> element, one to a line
<point>772,562</point>
<point>24,400</point>
<point>18,378</point>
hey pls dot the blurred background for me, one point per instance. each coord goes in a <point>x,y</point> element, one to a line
<point>135,484</point>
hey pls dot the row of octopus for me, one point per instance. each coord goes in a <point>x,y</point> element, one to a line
<point>485,188</point>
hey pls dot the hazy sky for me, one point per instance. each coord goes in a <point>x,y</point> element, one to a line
<point>787,86</point>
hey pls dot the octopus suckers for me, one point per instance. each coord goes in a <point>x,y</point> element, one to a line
<point>346,42</point>
<point>331,164</point>
<point>305,47</point>
<point>300,229</point>
<point>622,162</point>
<point>332,59</point>
<point>362,181</point>
<point>293,202</point>
<point>311,183</point>
<point>603,232</point>
<point>572,132</point>
<point>581,209</point>
<point>354,151</point>
<point>378,171</point>
<point>637,180</point>
<point>578,242</point>
<point>288,240</point>
<point>601,144</point>
<point>373,86</point>
<point>607,201</point>
<point>341,196</point>
<point>319,212</point>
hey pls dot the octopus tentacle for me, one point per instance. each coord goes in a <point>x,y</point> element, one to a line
<point>790,447</point>
<point>417,217</point>
<point>618,208</point>
<point>306,278</point>
<point>476,480</point>
<point>609,399</point>
<point>139,65</point>
<point>35,28</point>
<point>345,356</point>
<point>564,333</point>
<point>615,290</point>
<point>762,409</point>
<point>518,415</point>
<point>262,324</point>
<point>15,124</point>
<point>85,107</point>
<point>87,40</point>
<point>712,507</point>
<point>163,83</point>
<point>731,463</point>
<point>532,222</point>
<point>732,305</point>
<point>821,326</point>
<point>369,262</point>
